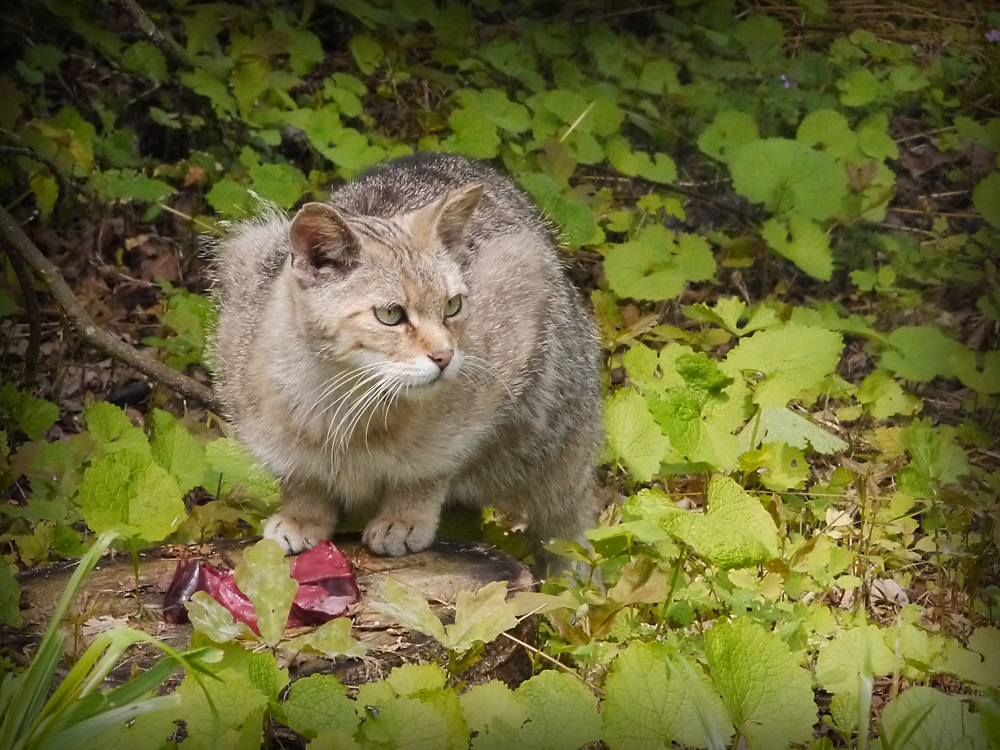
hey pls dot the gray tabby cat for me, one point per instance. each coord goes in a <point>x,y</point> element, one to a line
<point>410,343</point>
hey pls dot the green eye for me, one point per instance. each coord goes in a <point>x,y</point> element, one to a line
<point>453,306</point>
<point>390,315</point>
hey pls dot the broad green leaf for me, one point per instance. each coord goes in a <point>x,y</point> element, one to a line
<point>409,608</point>
<point>884,397</point>
<point>655,266</point>
<point>569,212</point>
<point>232,199</point>
<point>658,76</point>
<point>562,713</point>
<point>10,597</point>
<point>907,77</point>
<point>633,435</point>
<point>480,617</point>
<point>729,130</point>
<point>475,135</point>
<point>780,467</point>
<point>985,380</point>
<point>853,652</point>
<point>874,138</point>
<point>281,184</point>
<point>494,105</point>
<point>492,708</point>
<point>922,718</point>
<point>333,639</point>
<point>203,82</point>
<point>857,88</point>
<point>144,57</point>
<point>176,450</point>
<point>829,128</point>
<point>211,618</point>
<point>32,415</point>
<point>638,163</point>
<point>113,430</point>
<point>231,468</point>
<point>736,532</point>
<point>789,177</point>
<point>367,52</point>
<point>655,697</point>
<point>768,695</point>
<point>935,458</point>
<point>920,353</point>
<point>986,198</point>
<point>792,358</point>
<point>803,242</point>
<point>265,577</point>
<point>778,424</point>
<point>318,703</point>
<point>128,492</point>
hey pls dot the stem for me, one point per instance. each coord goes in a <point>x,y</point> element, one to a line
<point>15,241</point>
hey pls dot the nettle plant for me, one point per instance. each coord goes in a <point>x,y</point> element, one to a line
<point>799,543</point>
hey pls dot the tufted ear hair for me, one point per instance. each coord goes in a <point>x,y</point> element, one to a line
<point>322,243</point>
<point>454,212</point>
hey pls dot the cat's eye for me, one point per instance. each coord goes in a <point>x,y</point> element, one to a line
<point>390,315</point>
<point>453,306</point>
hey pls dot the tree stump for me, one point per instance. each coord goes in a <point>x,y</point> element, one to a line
<point>109,598</point>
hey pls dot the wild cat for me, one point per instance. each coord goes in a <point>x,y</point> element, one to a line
<point>412,342</point>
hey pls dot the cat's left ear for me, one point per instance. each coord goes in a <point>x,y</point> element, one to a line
<point>454,212</point>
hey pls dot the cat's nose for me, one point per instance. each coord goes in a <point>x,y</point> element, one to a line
<point>442,357</point>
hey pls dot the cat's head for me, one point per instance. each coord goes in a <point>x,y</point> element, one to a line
<point>385,295</point>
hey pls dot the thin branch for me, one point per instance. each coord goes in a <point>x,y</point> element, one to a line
<point>16,242</point>
<point>142,21</point>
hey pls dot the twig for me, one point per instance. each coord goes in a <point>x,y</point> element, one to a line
<point>15,241</point>
<point>145,24</point>
<point>53,168</point>
<point>34,317</point>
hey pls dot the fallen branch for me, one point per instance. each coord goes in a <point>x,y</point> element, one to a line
<point>141,20</point>
<point>16,243</point>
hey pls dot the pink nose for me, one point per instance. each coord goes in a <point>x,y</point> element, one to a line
<point>442,357</point>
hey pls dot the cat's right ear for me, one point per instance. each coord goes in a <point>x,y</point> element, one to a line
<point>322,243</point>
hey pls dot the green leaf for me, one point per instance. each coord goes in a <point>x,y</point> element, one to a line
<point>494,105</point>
<point>920,353</point>
<point>232,469</point>
<point>736,532</point>
<point>10,597</point>
<point>830,129</point>
<point>144,57</point>
<point>633,163</point>
<point>265,577</point>
<point>907,77</point>
<point>655,697</point>
<point>204,83</point>
<point>562,714</point>
<point>408,608</point>
<point>852,653</point>
<point>656,267</point>
<point>367,53</point>
<point>332,639</point>
<point>922,718</point>
<point>781,467</point>
<point>475,134</point>
<point>935,458</point>
<point>126,491</point>
<point>884,397</point>
<point>768,695</point>
<point>480,617</point>
<point>986,380</point>
<point>803,242</point>
<point>493,712</point>
<point>792,358</point>
<point>857,88</point>
<point>633,435</point>
<point>211,618</point>
<point>986,198</point>
<point>127,184</point>
<point>232,200</point>
<point>574,217</point>
<point>777,424</point>
<point>32,415</point>
<point>318,703</point>
<point>729,130</point>
<point>789,176</point>
<point>282,184</point>
<point>114,431</point>
<point>658,76</point>
<point>176,450</point>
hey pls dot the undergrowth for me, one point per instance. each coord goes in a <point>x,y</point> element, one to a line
<point>785,217</point>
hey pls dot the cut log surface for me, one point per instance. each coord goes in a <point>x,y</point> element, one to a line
<point>109,598</point>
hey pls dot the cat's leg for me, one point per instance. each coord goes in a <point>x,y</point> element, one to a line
<point>308,515</point>
<point>407,520</point>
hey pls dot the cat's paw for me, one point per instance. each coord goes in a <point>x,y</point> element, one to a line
<point>295,534</point>
<point>393,536</point>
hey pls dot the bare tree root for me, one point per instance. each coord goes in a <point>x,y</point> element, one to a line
<point>16,243</point>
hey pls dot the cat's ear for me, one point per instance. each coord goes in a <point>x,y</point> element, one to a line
<point>321,242</point>
<point>454,212</point>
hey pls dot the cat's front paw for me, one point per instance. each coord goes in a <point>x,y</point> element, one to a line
<point>393,536</point>
<point>295,534</point>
